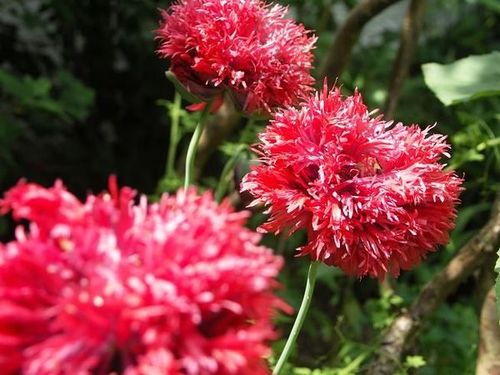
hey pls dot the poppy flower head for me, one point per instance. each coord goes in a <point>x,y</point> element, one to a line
<point>175,287</point>
<point>372,196</point>
<point>245,47</point>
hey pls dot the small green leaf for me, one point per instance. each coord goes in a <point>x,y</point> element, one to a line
<point>414,361</point>
<point>169,184</point>
<point>232,148</point>
<point>465,79</point>
<point>69,98</point>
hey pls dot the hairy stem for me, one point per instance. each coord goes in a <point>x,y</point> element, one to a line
<point>193,144</point>
<point>299,320</point>
<point>174,135</point>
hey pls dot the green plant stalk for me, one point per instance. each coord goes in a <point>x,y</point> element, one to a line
<point>222,184</point>
<point>193,144</point>
<point>175,113</point>
<point>299,320</point>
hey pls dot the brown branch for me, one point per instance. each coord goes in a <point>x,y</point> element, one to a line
<point>403,328</point>
<point>409,39</point>
<point>488,360</point>
<point>485,279</point>
<point>347,35</point>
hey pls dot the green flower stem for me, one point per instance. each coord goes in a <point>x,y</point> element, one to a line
<point>299,321</point>
<point>193,144</point>
<point>223,181</point>
<point>175,114</point>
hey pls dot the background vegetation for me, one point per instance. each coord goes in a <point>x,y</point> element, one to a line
<point>82,95</point>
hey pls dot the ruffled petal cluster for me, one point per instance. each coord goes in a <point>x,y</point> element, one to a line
<point>245,47</point>
<point>111,286</point>
<point>372,196</point>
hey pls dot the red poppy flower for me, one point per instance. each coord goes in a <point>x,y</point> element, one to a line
<point>109,286</point>
<point>373,197</point>
<point>245,47</point>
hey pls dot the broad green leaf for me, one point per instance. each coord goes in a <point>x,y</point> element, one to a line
<point>465,79</point>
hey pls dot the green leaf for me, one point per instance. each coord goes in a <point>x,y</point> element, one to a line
<point>69,98</point>
<point>232,148</point>
<point>18,88</point>
<point>465,79</point>
<point>414,361</point>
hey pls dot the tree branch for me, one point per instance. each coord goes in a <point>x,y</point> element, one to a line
<point>340,50</point>
<point>404,327</point>
<point>488,360</point>
<point>409,39</point>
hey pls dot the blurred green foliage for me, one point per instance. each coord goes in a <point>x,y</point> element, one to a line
<point>83,95</point>
<point>30,104</point>
<point>83,79</point>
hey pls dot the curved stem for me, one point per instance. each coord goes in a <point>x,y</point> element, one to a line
<point>193,144</point>
<point>299,320</point>
<point>174,134</point>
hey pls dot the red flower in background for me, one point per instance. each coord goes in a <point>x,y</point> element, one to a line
<point>245,46</point>
<point>175,287</point>
<point>373,198</point>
